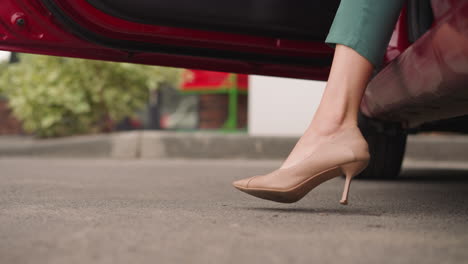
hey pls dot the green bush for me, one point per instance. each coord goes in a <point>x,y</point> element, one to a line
<point>56,96</point>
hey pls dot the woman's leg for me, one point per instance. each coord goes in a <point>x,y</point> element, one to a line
<point>339,106</point>
<point>361,31</point>
<point>332,144</point>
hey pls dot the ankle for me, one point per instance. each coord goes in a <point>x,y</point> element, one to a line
<point>330,126</point>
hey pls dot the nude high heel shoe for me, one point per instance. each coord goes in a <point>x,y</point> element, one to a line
<point>345,154</point>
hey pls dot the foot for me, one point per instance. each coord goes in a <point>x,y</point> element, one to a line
<point>342,152</point>
<point>310,140</point>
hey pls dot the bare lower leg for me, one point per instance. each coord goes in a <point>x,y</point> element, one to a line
<point>339,106</point>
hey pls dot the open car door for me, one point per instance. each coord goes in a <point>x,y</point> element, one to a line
<point>271,37</point>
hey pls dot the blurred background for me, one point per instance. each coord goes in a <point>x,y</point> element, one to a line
<point>46,97</point>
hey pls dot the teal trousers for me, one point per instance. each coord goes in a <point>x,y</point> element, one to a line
<point>365,26</point>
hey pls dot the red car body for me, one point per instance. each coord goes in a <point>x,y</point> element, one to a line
<point>422,81</point>
<point>45,32</point>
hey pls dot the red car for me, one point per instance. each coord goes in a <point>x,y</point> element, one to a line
<point>424,78</point>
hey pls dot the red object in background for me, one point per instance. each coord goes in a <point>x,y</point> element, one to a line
<point>200,80</point>
<point>399,41</point>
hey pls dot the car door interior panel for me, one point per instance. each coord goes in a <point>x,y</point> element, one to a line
<point>300,19</point>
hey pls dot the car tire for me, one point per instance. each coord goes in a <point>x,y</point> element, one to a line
<point>387,143</point>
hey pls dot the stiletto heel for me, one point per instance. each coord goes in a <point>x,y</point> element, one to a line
<point>351,170</point>
<point>347,153</point>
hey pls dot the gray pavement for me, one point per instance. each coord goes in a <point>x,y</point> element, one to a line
<point>205,144</point>
<point>185,211</point>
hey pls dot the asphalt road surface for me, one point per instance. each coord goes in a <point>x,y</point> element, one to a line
<point>117,211</point>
